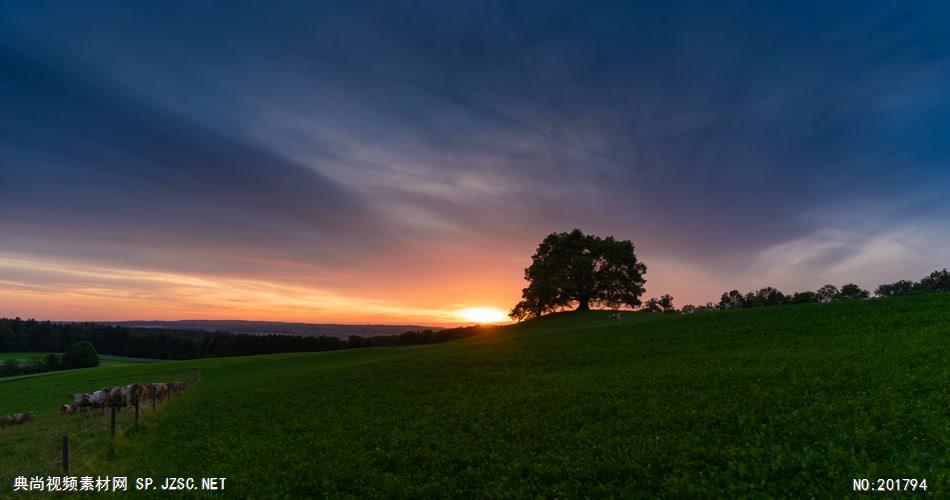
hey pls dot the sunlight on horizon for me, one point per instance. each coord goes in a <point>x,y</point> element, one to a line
<point>483,315</point>
<point>76,291</point>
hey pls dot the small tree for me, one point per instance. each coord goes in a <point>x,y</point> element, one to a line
<point>902,287</point>
<point>853,291</point>
<point>688,308</point>
<point>769,296</point>
<point>52,362</point>
<point>937,281</point>
<point>827,293</point>
<point>732,300</point>
<point>652,305</point>
<point>666,303</point>
<point>804,298</point>
<point>763,297</point>
<point>81,355</point>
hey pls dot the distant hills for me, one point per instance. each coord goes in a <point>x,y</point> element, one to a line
<point>277,327</point>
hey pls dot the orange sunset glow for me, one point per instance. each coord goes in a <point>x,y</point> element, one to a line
<point>92,293</point>
<point>378,179</point>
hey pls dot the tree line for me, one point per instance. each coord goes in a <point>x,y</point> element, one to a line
<point>18,335</point>
<point>937,281</point>
<point>583,271</point>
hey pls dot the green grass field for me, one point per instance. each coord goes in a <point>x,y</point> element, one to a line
<point>789,401</point>
<point>104,359</point>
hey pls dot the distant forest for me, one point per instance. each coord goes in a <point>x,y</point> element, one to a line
<point>18,335</point>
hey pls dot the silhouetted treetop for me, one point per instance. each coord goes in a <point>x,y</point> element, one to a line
<point>937,281</point>
<point>575,269</point>
<point>853,291</point>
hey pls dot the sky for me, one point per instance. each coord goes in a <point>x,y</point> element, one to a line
<point>368,162</point>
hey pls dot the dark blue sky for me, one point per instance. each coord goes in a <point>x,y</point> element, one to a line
<point>184,159</point>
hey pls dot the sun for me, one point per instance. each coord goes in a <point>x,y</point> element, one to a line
<point>482,314</point>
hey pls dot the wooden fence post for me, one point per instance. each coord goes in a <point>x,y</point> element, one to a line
<point>66,454</point>
<point>112,425</point>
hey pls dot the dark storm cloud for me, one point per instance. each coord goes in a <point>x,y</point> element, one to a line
<point>86,160</point>
<point>313,131</point>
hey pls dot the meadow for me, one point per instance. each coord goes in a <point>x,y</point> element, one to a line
<point>104,359</point>
<point>791,401</point>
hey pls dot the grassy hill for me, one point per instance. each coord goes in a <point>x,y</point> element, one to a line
<point>784,401</point>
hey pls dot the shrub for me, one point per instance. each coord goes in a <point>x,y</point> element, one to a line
<point>81,355</point>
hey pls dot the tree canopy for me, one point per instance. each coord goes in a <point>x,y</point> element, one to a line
<point>937,281</point>
<point>81,355</point>
<point>900,287</point>
<point>827,293</point>
<point>853,291</point>
<point>575,269</point>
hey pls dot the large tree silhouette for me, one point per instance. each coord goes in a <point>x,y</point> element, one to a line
<point>575,269</point>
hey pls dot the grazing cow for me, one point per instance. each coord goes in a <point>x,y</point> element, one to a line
<point>138,393</point>
<point>175,387</point>
<point>81,399</point>
<point>130,395</point>
<point>82,402</point>
<point>16,419</point>
<point>158,391</point>
<point>115,397</point>
<point>127,394</point>
<point>99,399</point>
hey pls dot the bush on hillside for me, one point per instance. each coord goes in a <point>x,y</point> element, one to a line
<point>81,355</point>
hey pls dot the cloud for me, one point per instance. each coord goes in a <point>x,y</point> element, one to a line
<point>360,145</point>
<point>115,293</point>
<point>84,160</point>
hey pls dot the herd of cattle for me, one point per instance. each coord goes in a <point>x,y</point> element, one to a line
<point>124,396</point>
<point>131,395</point>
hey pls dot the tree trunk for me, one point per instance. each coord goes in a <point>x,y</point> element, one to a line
<point>583,304</point>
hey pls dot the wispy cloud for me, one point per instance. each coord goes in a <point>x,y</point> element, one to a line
<point>116,293</point>
<point>413,155</point>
